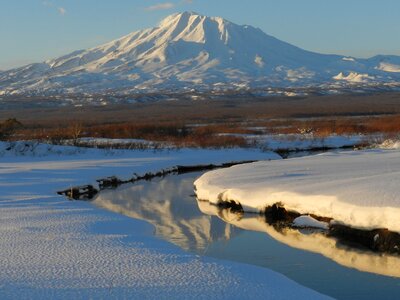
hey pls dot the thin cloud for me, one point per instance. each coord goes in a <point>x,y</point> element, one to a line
<point>160,6</point>
<point>62,11</point>
<point>47,4</point>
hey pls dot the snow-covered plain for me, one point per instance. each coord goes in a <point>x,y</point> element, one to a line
<point>359,189</point>
<point>53,248</point>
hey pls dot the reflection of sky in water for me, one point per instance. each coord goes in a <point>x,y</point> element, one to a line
<point>312,259</point>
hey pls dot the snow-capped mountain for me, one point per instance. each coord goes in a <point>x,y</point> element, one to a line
<point>192,51</point>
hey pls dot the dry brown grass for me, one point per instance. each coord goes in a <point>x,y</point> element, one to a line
<point>339,125</point>
<point>173,133</point>
<point>214,135</point>
<point>200,124</point>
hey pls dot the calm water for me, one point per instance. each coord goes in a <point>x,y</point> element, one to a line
<point>307,257</point>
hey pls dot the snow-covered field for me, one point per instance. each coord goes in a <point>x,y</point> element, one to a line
<point>53,248</point>
<point>119,143</point>
<point>358,189</point>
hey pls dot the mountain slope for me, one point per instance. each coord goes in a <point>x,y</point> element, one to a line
<point>188,50</point>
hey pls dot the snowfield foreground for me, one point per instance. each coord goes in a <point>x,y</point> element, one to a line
<point>359,189</point>
<point>53,248</point>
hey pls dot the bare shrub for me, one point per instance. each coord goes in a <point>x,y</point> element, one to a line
<point>8,128</point>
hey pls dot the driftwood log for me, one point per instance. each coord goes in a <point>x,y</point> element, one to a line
<point>85,192</point>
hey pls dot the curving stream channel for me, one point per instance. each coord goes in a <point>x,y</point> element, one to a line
<point>306,256</point>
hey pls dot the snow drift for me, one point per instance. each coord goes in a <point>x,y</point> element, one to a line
<point>358,189</point>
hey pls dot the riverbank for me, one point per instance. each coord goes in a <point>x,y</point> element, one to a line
<point>357,189</point>
<point>54,248</point>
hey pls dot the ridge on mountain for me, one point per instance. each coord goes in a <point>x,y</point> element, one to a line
<point>189,50</point>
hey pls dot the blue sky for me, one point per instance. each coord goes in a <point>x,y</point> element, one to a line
<point>35,30</point>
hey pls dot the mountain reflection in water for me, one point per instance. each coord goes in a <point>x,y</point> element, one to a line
<point>194,225</point>
<point>167,204</point>
<point>311,240</point>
